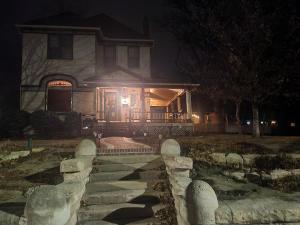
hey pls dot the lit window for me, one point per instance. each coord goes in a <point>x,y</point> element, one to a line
<point>59,83</point>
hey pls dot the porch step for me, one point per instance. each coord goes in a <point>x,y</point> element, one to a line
<point>117,129</point>
<point>127,159</point>
<point>128,167</point>
<point>124,190</point>
<point>122,196</point>
<point>107,186</point>
<point>126,175</point>
<point>117,211</point>
<point>135,221</point>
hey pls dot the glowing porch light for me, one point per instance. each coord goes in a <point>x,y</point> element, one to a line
<point>195,116</point>
<point>248,122</point>
<point>273,122</point>
<point>125,100</point>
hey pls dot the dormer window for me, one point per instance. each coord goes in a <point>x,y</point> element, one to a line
<point>109,56</point>
<point>133,57</point>
<point>60,46</point>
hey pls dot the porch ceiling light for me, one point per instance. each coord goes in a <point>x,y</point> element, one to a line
<point>125,100</point>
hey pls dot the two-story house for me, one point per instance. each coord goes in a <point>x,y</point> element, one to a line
<point>98,66</point>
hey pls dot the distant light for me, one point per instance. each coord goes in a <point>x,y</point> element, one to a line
<point>85,128</point>
<point>293,124</point>
<point>262,122</point>
<point>273,122</point>
<point>248,122</point>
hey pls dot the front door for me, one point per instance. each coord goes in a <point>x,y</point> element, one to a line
<point>111,106</point>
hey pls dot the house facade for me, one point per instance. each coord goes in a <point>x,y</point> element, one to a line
<point>100,68</point>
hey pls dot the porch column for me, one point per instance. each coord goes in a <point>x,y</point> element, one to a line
<point>178,104</point>
<point>188,104</point>
<point>142,119</point>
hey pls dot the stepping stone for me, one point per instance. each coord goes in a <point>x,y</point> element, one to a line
<point>123,196</point>
<point>126,175</point>
<point>116,211</point>
<point>127,159</point>
<point>138,221</point>
<point>128,167</point>
<point>104,186</point>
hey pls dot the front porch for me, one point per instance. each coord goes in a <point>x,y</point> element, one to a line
<point>143,105</point>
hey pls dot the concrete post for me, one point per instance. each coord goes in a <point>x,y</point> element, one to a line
<point>47,205</point>
<point>188,104</point>
<point>202,203</point>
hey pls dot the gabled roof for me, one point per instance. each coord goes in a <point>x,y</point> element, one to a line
<point>115,73</point>
<point>110,27</point>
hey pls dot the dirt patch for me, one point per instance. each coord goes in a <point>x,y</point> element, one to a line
<point>35,169</point>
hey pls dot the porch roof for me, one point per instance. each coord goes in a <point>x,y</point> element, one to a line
<point>147,84</point>
<point>121,77</point>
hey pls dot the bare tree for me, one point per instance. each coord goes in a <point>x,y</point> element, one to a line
<point>232,40</point>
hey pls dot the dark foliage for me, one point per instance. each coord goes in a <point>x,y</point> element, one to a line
<point>12,123</point>
<point>53,125</point>
<point>282,161</point>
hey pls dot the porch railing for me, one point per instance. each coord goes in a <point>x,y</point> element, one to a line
<point>154,117</point>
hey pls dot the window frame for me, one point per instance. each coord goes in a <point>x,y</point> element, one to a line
<point>60,55</point>
<point>113,60</point>
<point>136,60</point>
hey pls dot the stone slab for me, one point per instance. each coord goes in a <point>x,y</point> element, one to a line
<point>75,165</point>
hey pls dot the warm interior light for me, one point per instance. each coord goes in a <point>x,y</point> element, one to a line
<point>59,83</point>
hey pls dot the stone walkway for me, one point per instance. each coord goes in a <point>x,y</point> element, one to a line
<point>123,190</point>
<point>123,145</point>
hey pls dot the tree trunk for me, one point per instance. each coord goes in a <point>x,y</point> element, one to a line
<point>237,116</point>
<point>255,113</point>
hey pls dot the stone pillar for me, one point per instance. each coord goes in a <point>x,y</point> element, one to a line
<point>188,104</point>
<point>202,203</point>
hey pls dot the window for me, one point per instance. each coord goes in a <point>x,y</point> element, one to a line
<point>109,56</point>
<point>133,57</point>
<point>59,96</point>
<point>60,46</point>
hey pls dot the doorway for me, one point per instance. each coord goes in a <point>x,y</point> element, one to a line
<point>111,107</point>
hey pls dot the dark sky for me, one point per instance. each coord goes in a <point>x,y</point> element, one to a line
<point>130,12</point>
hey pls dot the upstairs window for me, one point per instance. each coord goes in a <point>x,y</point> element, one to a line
<point>109,56</point>
<point>133,57</point>
<point>60,46</point>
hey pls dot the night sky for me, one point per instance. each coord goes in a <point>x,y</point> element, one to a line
<point>130,12</point>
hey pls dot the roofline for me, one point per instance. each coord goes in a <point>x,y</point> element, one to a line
<point>140,84</point>
<point>96,29</point>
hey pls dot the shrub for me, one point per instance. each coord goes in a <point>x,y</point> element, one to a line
<point>282,161</point>
<point>53,125</point>
<point>12,123</point>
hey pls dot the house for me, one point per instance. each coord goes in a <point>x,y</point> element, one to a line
<point>101,68</point>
